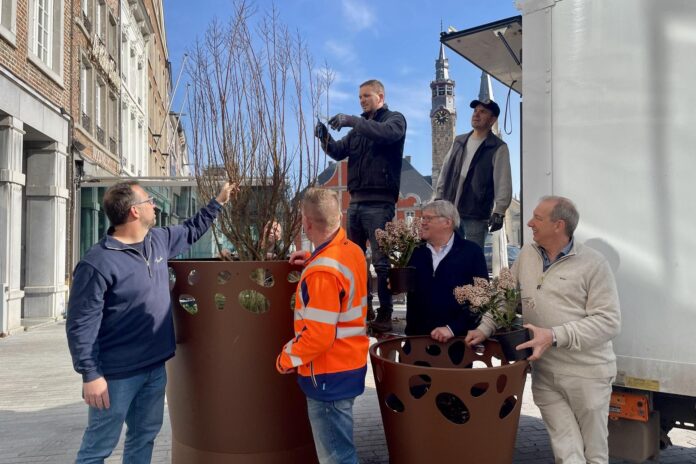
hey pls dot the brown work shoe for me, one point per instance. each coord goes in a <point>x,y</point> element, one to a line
<point>382,323</point>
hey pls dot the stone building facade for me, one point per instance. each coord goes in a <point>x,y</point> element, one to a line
<point>35,85</point>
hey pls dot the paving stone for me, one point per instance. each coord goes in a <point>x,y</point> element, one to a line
<point>42,416</point>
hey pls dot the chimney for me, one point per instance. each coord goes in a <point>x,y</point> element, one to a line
<point>408,158</point>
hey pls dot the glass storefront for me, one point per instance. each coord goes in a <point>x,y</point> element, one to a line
<point>175,201</point>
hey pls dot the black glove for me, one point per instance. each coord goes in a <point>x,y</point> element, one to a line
<point>496,222</point>
<point>321,132</point>
<point>342,120</point>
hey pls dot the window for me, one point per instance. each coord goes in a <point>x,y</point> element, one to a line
<point>112,37</point>
<point>99,20</point>
<point>46,37</point>
<point>410,215</point>
<point>100,93</point>
<point>42,30</point>
<point>85,94</point>
<point>112,103</point>
<point>8,20</point>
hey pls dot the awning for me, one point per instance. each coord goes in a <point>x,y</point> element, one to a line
<point>495,48</point>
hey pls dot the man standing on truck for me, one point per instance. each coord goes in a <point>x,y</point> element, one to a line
<point>476,175</point>
<point>374,148</point>
<point>571,306</point>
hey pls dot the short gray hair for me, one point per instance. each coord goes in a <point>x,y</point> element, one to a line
<point>445,209</point>
<point>564,210</point>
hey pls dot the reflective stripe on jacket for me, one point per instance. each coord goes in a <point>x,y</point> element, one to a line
<point>330,345</point>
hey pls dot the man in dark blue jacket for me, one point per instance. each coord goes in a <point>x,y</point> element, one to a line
<point>119,324</point>
<point>374,148</point>
<point>443,262</point>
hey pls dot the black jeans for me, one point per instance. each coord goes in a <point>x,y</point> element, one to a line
<point>363,219</point>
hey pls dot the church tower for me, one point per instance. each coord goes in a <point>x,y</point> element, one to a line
<point>443,114</point>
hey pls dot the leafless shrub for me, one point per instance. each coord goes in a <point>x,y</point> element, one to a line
<point>254,94</point>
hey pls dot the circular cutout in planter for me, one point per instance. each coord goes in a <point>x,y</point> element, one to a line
<point>508,406</point>
<point>223,277</point>
<point>172,278</point>
<point>188,302</point>
<point>262,277</point>
<point>254,302</point>
<point>394,403</point>
<point>479,389</point>
<point>294,276</point>
<point>501,382</point>
<point>419,385</point>
<point>220,301</point>
<point>433,350</point>
<point>193,277</point>
<point>406,346</point>
<point>452,408</point>
<point>456,352</point>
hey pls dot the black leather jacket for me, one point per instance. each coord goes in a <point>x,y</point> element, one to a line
<point>374,148</point>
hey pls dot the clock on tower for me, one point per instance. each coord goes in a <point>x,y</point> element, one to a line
<point>443,113</point>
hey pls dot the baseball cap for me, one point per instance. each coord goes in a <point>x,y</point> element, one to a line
<point>490,105</point>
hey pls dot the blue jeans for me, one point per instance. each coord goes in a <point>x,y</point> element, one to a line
<point>139,402</point>
<point>332,428</point>
<point>363,220</point>
<point>474,230</point>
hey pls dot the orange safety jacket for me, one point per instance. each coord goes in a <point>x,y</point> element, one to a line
<point>330,346</point>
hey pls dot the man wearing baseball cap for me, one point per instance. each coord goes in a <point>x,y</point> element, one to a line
<point>476,177</point>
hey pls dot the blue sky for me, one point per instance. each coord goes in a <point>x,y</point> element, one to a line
<point>395,41</point>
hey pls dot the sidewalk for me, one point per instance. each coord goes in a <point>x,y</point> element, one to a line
<point>42,415</point>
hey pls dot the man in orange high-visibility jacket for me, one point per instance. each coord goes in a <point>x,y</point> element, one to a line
<point>329,350</point>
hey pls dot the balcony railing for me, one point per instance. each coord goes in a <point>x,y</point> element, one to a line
<point>100,135</point>
<point>86,22</point>
<point>86,123</point>
<point>113,146</point>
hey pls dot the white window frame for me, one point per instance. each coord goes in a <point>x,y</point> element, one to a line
<point>48,55</point>
<point>8,21</point>
<point>99,92</point>
<point>43,31</point>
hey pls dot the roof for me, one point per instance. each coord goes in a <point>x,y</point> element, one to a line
<point>413,183</point>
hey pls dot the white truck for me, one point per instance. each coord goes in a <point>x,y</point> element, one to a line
<point>609,120</point>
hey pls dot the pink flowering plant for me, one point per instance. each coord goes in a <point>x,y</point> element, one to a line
<point>499,298</point>
<point>398,239</point>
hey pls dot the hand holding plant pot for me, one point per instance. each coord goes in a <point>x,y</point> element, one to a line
<point>397,241</point>
<point>499,299</point>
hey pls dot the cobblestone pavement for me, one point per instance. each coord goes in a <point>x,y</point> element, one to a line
<point>42,416</point>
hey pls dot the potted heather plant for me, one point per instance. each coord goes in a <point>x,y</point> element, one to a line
<point>498,299</point>
<point>397,241</point>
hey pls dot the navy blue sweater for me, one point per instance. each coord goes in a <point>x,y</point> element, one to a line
<point>431,303</point>
<point>119,313</point>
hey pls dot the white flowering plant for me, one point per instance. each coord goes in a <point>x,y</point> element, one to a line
<point>398,239</point>
<point>499,298</point>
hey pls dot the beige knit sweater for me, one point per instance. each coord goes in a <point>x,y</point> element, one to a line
<point>576,297</point>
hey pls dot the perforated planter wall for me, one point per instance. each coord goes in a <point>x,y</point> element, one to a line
<point>443,402</point>
<point>227,403</point>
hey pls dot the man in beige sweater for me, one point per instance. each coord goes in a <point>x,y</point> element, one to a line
<point>571,306</point>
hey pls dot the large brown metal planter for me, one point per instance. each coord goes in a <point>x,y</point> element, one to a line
<point>227,403</point>
<point>438,406</point>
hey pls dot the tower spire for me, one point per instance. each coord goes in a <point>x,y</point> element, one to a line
<point>486,93</point>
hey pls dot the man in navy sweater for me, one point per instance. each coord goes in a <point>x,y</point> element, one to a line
<point>119,323</point>
<point>443,262</point>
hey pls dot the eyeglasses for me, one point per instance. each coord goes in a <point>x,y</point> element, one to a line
<point>429,218</point>
<point>150,200</point>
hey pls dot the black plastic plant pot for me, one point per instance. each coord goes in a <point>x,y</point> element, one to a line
<point>445,402</point>
<point>509,341</point>
<point>402,279</point>
<point>227,402</point>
